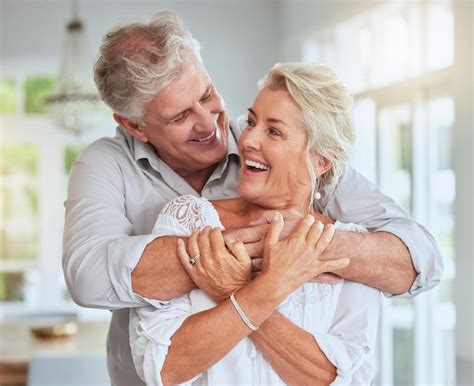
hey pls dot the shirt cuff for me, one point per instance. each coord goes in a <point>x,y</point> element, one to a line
<point>346,356</point>
<point>123,256</point>
<point>424,253</point>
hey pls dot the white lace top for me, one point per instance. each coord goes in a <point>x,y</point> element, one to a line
<point>342,318</point>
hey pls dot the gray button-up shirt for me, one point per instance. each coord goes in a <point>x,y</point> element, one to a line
<point>117,188</point>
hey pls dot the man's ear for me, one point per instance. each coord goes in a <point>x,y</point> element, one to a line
<point>132,127</point>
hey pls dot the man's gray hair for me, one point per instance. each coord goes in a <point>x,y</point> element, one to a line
<point>326,113</point>
<point>138,60</point>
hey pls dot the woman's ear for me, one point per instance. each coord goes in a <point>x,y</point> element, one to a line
<point>132,127</point>
<point>321,164</point>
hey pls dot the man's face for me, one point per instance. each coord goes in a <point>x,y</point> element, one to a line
<point>187,122</point>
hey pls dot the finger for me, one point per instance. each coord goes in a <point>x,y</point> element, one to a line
<point>257,264</point>
<point>217,241</point>
<point>237,248</point>
<point>326,278</point>
<point>248,234</point>
<point>193,246</point>
<point>204,244</point>
<point>315,233</point>
<point>334,265</point>
<point>184,257</point>
<point>254,249</point>
<point>273,234</point>
<point>303,228</point>
<point>325,239</point>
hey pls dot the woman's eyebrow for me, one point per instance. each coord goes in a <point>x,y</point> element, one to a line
<point>270,120</point>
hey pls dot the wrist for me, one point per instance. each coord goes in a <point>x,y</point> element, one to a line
<point>275,286</point>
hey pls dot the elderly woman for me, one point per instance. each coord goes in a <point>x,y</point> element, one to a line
<point>277,327</point>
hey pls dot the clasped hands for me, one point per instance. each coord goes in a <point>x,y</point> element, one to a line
<point>290,252</point>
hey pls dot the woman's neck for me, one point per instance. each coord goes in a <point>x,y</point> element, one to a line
<point>237,212</point>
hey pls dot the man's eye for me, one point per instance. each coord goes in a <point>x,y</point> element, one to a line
<point>206,97</point>
<point>180,118</point>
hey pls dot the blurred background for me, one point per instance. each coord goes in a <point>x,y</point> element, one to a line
<point>409,65</point>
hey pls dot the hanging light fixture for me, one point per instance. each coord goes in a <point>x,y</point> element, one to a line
<point>74,104</point>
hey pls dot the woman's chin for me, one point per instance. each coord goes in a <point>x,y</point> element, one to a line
<point>247,193</point>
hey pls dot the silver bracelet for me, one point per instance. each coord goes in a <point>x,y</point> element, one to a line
<point>242,314</point>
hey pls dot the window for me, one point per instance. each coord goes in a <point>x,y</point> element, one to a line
<point>397,59</point>
<point>35,160</point>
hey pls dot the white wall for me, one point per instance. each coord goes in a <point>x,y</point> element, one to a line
<point>464,210</point>
<point>239,37</point>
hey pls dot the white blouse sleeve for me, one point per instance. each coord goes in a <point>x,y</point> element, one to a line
<point>349,344</point>
<point>350,341</point>
<point>151,327</point>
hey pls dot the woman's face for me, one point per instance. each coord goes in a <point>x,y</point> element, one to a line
<point>274,173</point>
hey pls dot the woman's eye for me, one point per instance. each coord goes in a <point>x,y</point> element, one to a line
<point>273,132</point>
<point>250,122</point>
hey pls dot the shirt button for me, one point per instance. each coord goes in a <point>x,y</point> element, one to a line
<point>366,349</point>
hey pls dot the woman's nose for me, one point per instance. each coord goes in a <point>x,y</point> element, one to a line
<point>251,138</point>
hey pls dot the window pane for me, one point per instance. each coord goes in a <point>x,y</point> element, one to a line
<point>11,286</point>
<point>18,202</point>
<point>37,88</point>
<point>403,357</point>
<point>395,154</point>
<point>440,33</point>
<point>7,96</point>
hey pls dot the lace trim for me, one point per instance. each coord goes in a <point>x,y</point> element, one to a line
<point>308,294</point>
<point>187,211</point>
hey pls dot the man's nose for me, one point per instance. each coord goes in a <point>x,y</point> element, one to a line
<point>206,120</point>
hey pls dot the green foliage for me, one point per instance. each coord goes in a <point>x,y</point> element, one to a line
<point>7,97</point>
<point>70,155</point>
<point>11,286</point>
<point>37,88</point>
<point>19,158</point>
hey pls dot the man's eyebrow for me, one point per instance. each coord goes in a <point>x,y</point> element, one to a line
<point>270,120</point>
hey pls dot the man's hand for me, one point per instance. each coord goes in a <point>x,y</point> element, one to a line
<point>253,235</point>
<point>216,269</point>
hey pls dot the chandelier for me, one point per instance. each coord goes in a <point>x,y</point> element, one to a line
<point>74,104</point>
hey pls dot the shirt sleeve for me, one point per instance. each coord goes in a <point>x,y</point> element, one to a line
<point>350,341</point>
<point>359,201</point>
<point>99,248</point>
<point>152,327</point>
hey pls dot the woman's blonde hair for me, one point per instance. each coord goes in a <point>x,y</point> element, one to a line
<point>326,113</point>
<point>138,60</point>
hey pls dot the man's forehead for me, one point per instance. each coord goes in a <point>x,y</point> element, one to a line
<point>189,86</point>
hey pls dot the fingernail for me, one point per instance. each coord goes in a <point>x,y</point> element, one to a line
<point>276,216</point>
<point>310,219</point>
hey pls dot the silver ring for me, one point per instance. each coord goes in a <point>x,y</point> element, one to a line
<point>193,259</point>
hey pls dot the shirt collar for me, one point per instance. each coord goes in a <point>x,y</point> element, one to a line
<point>144,150</point>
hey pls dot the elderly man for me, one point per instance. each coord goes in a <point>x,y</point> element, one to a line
<point>174,138</point>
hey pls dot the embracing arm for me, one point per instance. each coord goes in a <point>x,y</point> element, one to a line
<point>379,259</point>
<point>293,352</point>
<point>310,357</point>
<point>220,328</point>
<point>397,256</point>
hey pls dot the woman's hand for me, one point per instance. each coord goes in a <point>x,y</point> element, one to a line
<point>219,270</point>
<point>295,260</point>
